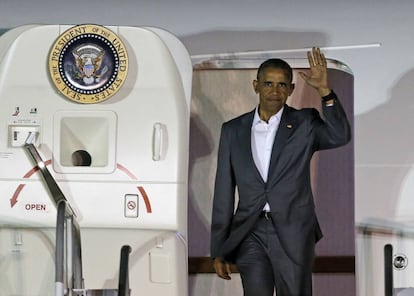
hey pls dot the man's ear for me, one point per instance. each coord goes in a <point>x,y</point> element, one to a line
<point>292,87</point>
<point>255,83</point>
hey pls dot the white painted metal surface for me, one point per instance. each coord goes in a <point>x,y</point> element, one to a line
<point>126,196</point>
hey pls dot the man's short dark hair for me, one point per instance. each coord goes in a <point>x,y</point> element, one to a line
<point>275,64</point>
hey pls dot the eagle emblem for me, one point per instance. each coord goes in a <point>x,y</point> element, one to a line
<point>91,66</point>
<point>88,61</point>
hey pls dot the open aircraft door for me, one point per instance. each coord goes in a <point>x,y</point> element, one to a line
<point>108,110</point>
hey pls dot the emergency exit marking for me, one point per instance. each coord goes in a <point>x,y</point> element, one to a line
<point>35,207</point>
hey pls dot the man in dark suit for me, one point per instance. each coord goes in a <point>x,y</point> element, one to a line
<point>265,154</point>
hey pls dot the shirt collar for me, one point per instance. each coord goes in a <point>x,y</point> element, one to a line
<point>275,117</point>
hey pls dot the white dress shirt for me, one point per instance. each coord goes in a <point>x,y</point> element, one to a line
<point>263,136</point>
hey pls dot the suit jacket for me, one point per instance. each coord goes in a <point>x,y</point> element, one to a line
<point>288,188</point>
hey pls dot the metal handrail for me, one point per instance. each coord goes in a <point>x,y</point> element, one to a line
<point>56,193</point>
<point>74,278</point>
<point>388,271</point>
<point>78,282</point>
<point>59,249</point>
<point>66,219</point>
<point>65,216</point>
<point>123,285</point>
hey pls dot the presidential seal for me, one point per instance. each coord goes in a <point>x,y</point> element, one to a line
<point>88,64</point>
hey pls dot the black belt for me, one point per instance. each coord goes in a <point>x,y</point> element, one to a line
<point>267,215</point>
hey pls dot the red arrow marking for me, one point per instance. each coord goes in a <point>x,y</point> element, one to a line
<point>13,200</point>
<point>126,171</point>
<point>19,188</point>
<point>146,199</point>
<point>141,189</point>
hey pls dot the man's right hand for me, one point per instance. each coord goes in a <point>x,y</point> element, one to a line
<point>222,268</point>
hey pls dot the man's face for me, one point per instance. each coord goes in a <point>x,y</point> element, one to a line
<point>274,87</point>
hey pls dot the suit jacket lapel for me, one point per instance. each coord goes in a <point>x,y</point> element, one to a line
<point>286,127</point>
<point>245,137</point>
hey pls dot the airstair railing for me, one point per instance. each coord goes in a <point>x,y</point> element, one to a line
<point>123,285</point>
<point>65,216</point>
<point>70,240</point>
<point>391,261</point>
<point>388,271</point>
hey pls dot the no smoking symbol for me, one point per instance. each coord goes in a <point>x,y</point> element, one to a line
<point>131,205</point>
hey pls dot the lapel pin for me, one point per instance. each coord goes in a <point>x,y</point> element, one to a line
<point>289,126</point>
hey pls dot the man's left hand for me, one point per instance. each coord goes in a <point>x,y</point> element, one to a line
<point>318,77</point>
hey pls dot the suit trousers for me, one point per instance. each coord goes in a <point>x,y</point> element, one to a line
<point>264,265</point>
